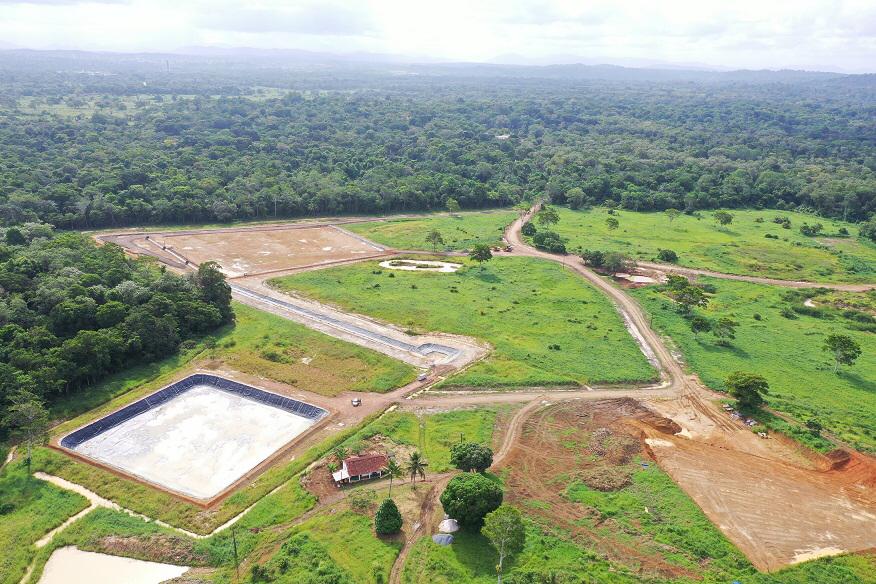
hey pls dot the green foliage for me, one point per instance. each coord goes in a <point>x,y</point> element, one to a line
<point>547,216</point>
<point>471,456</point>
<point>593,258</point>
<point>469,497</point>
<point>387,520</point>
<point>723,217</point>
<point>537,301</point>
<point>505,531</point>
<point>740,248</point>
<point>32,509</point>
<point>615,262</point>
<point>549,241</point>
<point>788,353</point>
<point>667,255</point>
<point>480,253</point>
<point>700,324</point>
<point>612,223</point>
<point>528,229</point>
<point>748,389</point>
<point>305,561</point>
<point>844,349</point>
<point>460,232</point>
<point>72,313</point>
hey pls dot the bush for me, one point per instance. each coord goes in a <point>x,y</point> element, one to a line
<point>593,258</point>
<point>868,230</point>
<point>549,241</point>
<point>667,255</point>
<point>387,520</point>
<point>469,497</point>
<point>528,229</point>
<point>811,230</point>
<point>469,456</point>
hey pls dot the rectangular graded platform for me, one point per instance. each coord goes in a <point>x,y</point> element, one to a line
<point>197,436</point>
<point>256,251</point>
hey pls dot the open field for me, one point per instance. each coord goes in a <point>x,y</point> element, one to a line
<point>593,508</point>
<point>738,248</point>
<point>546,325</point>
<point>461,231</point>
<point>786,351</point>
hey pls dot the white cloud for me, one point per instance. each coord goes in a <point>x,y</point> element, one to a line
<point>811,34</point>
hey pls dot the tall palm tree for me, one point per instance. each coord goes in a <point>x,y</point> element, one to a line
<point>417,466</point>
<point>393,470</point>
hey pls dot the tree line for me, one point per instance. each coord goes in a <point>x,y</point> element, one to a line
<point>84,160</point>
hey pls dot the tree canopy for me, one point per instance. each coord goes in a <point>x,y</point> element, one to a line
<point>469,497</point>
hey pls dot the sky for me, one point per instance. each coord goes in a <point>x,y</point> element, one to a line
<point>826,35</point>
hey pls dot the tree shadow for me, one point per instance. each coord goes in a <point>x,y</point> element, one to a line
<point>858,381</point>
<point>490,277</point>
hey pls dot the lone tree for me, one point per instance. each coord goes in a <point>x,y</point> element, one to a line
<point>214,289</point>
<point>434,237</point>
<point>672,215</point>
<point>29,420</point>
<point>547,216</point>
<point>393,470</point>
<point>723,218</point>
<point>481,253</point>
<point>700,324</point>
<point>470,456</point>
<point>615,262</point>
<point>417,466</point>
<point>845,350</point>
<point>340,453</point>
<point>452,206</point>
<point>528,229</point>
<point>748,389</point>
<point>725,330</point>
<point>690,297</point>
<point>469,497</point>
<point>667,255</point>
<point>387,520</point>
<point>612,223</point>
<point>505,531</point>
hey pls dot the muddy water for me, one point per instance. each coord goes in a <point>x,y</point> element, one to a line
<point>69,565</point>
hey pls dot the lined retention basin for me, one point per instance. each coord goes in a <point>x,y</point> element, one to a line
<point>297,407</point>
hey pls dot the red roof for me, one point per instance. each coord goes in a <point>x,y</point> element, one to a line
<point>365,464</point>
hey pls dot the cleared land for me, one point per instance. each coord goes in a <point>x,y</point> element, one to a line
<point>461,231</point>
<point>250,250</point>
<point>576,473</point>
<point>545,324</point>
<point>787,351</point>
<point>738,248</point>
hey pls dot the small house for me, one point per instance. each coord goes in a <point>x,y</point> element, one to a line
<point>360,468</point>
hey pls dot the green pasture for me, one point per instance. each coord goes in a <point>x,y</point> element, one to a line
<point>546,325</point>
<point>739,248</point>
<point>786,351</point>
<point>460,232</point>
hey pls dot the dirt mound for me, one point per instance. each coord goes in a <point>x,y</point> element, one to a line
<point>606,478</point>
<point>838,458</point>
<point>167,549</point>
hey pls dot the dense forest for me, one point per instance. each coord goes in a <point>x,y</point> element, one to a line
<point>72,312</point>
<point>88,141</point>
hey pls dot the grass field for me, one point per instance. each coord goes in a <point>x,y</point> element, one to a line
<point>739,248</point>
<point>34,508</point>
<point>547,326</point>
<point>431,434</point>
<point>459,232</point>
<point>787,352</point>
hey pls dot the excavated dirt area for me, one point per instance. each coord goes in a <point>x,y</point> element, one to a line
<point>776,512</point>
<point>251,250</point>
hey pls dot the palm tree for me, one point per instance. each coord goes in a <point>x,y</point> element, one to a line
<point>417,466</point>
<point>393,470</point>
<point>340,454</point>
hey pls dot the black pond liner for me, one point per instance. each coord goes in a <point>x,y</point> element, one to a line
<point>299,408</point>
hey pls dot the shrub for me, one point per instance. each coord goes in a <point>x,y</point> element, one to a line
<point>811,230</point>
<point>667,255</point>
<point>868,230</point>
<point>528,229</point>
<point>387,520</point>
<point>549,241</point>
<point>593,258</point>
<point>469,497</point>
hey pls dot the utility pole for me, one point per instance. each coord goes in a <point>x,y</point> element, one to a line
<point>234,547</point>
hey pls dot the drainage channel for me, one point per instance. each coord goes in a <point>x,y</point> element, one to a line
<point>425,349</point>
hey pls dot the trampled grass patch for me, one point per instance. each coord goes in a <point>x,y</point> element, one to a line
<point>739,248</point>
<point>786,351</point>
<point>459,232</point>
<point>29,508</point>
<point>432,434</point>
<point>547,325</point>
